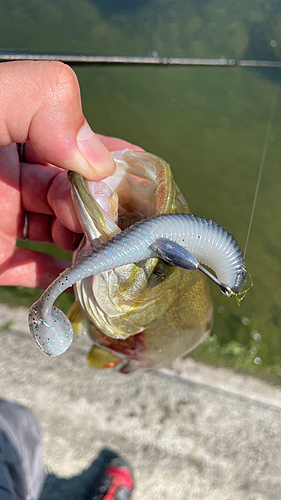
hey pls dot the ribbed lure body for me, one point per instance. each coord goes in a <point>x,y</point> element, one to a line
<point>208,242</point>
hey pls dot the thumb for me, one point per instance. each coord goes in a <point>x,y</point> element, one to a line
<point>40,102</point>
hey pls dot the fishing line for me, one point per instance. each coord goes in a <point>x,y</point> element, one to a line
<point>265,147</point>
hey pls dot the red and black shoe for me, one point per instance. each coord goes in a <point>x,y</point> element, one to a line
<point>115,482</point>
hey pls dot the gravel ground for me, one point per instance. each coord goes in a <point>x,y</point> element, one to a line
<point>191,432</point>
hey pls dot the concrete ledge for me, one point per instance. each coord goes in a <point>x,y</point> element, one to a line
<point>189,432</point>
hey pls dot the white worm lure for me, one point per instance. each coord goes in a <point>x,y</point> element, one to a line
<point>184,240</point>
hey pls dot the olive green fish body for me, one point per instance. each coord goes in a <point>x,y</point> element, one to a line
<point>148,313</point>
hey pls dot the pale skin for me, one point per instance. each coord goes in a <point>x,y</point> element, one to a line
<point>40,106</point>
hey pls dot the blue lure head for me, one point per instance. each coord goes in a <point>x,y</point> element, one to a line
<point>176,255</point>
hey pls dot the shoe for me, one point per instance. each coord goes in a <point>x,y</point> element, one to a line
<point>116,481</point>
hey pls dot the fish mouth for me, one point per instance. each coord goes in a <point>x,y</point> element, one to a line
<point>137,189</point>
<point>142,186</point>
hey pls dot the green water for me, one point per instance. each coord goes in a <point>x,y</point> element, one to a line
<point>208,123</point>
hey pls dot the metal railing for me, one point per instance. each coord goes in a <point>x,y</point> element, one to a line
<point>80,59</point>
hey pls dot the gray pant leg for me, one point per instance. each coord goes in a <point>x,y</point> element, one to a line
<point>21,470</point>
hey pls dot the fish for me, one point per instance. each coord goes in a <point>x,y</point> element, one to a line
<point>141,289</point>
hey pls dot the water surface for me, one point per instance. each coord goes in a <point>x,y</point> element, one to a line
<point>208,123</point>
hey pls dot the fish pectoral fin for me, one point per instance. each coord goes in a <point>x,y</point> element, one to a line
<point>174,254</point>
<point>99,358</point>
<point>77,319</point>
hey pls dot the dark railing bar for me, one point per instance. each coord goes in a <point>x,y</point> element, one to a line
<point>75,59</point>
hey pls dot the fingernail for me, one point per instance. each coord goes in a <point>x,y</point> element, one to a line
<point>94,152</point>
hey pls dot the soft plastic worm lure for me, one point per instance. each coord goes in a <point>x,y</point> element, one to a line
<point>184,240</point>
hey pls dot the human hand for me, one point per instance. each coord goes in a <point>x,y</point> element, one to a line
<point>40,105</point>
